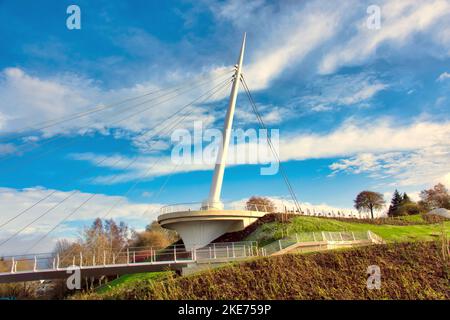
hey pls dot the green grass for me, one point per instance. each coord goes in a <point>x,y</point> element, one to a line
<point>390,233</point>
<point>416,218</point>
<point>129,280</point>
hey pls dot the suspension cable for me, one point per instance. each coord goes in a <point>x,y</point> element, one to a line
<point>222,85</point>
<point>57,137</point>
<point>50,123</point>
<point>269,140</point>
<point>104,159</point>
<point>89,243</point>
<point>93,195</point>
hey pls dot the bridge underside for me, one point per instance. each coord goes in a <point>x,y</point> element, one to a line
<point>199,228</point>
<point>91,271</point>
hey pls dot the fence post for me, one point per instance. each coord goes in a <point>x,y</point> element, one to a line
<point>228,255</point>
<point>54,264</point>
<point>245,254</point>
<point>340,234</point>
<point>35,264</point>
<point>57,261</point>
<point>114,258</point>
<point>128,255</point>
<point>296,237</point>
<point>134,256</point>
<point>73,261</point>
<point>234,253</point>
<point>353,235</point>
<point>214,249</point>
<point>324,238</point>
<point>104,257</point>
<point>81,259</point>
<point>93,260</point>
<point>175,253</point>
<point>12,265</point>
<point>279,244</point>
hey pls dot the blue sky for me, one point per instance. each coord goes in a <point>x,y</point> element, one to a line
<point>357,108</point>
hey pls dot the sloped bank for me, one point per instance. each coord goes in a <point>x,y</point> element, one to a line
<point>408,271</point>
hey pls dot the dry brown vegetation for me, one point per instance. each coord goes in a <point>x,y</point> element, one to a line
<point>408,271</point>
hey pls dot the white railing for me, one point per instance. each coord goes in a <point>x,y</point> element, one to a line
<point>198,206</point>
<point>312,212</point>
<point>129,256</point>
<point>321,238</point>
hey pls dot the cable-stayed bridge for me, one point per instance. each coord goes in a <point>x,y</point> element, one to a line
<point>197,226</point>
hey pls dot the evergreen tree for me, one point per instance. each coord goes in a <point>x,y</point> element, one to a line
<point>396,202</point>
<point>406,199</point>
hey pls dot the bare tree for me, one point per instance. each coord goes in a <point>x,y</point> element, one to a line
<point>260,204</point>
<point>368,201</point>
<point>436,197</point>
<point>155,236</point>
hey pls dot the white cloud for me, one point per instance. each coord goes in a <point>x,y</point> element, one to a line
<point>341,90</point>
<point>14,201</point>
<point>446,180</point>
<point>27,100</point>
<point>330,36</point>
<point>354,137</point>
<point>443,76</point>
<point>302,32</point>
<point>7,148</point>
<point>414,168</point>
<point>270,114</point>
<point>413,154</point>
<point>280,34</point>
<point>401,20</point>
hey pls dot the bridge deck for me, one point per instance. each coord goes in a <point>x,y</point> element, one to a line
<point>93,271</point>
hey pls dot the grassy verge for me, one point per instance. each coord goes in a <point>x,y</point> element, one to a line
<point>129,280</point>
<point>416,270</point>
<point>391,233</point>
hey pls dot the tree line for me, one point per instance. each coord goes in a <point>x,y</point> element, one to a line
<point>401,204</point>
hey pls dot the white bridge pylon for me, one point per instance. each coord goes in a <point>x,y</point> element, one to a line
<point>201,224</point>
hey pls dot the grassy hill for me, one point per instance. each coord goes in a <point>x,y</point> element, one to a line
<point>411,268</point>
<point>416,270</point>
<point>404,229</point>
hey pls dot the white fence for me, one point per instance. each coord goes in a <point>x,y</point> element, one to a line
<point>198,206</point>
<point>321,238</point>
<point>131,255</point>
<point>312,212</point>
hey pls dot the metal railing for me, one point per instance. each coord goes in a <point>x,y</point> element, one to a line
<point>312,212</point>
<point>219,252</point>
<point>321,238</point>
<point>224,251</point>
<point>198,206</point>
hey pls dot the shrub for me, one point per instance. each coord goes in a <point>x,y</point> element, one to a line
<point>409,208</point>
<point>260,204</point>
